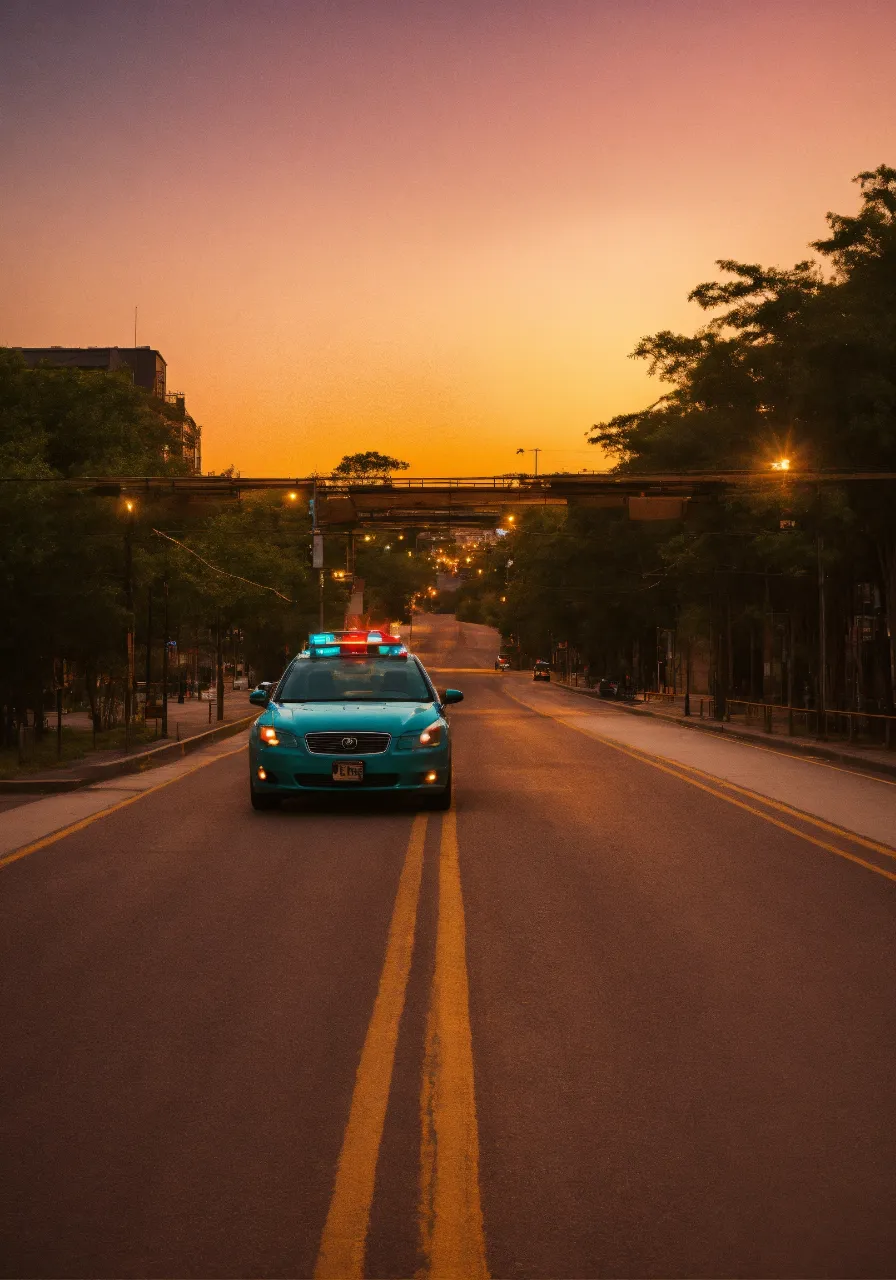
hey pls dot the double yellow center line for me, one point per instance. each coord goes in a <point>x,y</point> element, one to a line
<point>450,1213</point>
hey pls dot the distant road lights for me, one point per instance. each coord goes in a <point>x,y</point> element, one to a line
<point>783,464</point>
<point>511,519</point>
<point>469,559</point>
<point>479,571</point>
<point>293,496</point>
<point>129,506</point>
<point>366,537</point>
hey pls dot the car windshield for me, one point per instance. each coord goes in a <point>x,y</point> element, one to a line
<point>354,680</point>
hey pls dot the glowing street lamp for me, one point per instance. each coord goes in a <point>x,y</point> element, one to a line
<point>782,464</point>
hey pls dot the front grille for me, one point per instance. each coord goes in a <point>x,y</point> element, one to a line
<point>325,780</point>
<point>347,744</point>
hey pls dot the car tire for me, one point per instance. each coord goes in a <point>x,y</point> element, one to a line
<point>441,800</point>
<point>263,803</point>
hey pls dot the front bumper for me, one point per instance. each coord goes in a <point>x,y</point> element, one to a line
<point>295,772</point>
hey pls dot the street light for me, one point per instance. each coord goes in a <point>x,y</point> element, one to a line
<point>782,464</point>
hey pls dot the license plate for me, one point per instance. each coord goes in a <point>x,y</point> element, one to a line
<point>348,771</point>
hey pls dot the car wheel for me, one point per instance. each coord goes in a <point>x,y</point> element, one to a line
<point>441,800</point>
<point>260,802</point>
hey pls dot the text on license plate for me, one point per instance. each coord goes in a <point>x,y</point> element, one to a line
<point>348,771</point>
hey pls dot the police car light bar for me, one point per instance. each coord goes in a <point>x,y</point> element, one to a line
<point>335,644</point>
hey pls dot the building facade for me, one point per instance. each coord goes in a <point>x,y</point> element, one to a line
<point>149,371</point>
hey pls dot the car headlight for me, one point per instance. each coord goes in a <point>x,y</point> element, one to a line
<point>431,735</point>
<point>269,735</point>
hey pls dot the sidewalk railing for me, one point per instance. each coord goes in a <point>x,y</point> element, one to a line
<point>852,726</point>
<point>867,728</point>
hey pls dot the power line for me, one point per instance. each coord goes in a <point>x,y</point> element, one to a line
<point>224,572</point>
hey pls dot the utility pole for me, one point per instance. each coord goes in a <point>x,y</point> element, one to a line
<point>148,644</point>
<point>219,665</point>
<point>822,645</point>
<point>165,660</point>
<point>536,452</point>
<point>129,607</point>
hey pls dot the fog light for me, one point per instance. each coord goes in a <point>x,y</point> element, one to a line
<point>432,776</point>
<point>261,774</point>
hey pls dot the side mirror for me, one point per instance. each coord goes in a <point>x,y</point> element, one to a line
<point>452,695</point>
<point>261,696</point>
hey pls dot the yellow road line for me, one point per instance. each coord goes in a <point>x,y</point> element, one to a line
<point>887,850</point>
<point>45,841</point>
<point>758,746</point>
<point>341,1254</point>
<point>654,763</point>
<point>451,1229</point>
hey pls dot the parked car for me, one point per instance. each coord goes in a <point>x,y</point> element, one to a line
<point>502,663</point>
<point>541,670</point>
<point>609,688</point>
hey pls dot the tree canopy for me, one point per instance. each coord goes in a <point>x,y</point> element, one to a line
<point>368,466</point>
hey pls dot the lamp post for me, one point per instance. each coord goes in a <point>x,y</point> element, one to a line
<point>165,659</point>
<point>129,606</point>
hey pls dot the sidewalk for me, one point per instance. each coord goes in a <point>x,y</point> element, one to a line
<point>186,721</point>
<point>873,758</point>
<point>192,716</point>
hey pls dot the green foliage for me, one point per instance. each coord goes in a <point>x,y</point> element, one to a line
<point>392,578</point>
<point>368,466</point>
<point>797,362</point>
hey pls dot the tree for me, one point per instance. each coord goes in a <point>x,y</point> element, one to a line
<point>802,362</point>
<point>368,466</point>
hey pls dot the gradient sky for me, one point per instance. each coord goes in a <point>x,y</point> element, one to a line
<point>434,229</point>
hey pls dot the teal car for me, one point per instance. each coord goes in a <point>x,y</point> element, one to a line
<point>354,712</point>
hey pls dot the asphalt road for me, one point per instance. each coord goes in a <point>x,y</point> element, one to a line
<point>607,1018</point>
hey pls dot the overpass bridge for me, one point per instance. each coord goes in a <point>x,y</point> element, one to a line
<point>469,501</point>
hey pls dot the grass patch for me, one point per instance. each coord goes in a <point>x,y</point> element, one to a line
<point>76,745</point>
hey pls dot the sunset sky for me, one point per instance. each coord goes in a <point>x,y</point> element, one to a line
<point>434,229</point>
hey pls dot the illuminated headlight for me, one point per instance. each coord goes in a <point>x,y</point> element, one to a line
<point>431,736</point>
<point>270,736</point>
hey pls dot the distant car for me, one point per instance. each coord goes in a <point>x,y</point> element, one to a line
<point>355,711</point>
<point>541,670</point>
<point>609,689</point>
<point>502,663</point>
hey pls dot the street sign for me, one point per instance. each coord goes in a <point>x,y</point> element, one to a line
<point>317,551</point>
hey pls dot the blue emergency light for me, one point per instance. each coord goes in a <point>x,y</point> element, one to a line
<point>358,644</point>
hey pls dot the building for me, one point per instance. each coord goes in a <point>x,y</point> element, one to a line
<point>146,365</point>
<point>149,371</point>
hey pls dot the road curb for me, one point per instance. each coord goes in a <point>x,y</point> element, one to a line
<point>771,743</point>
<point>137,763</point>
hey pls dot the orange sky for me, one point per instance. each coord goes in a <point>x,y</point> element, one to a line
<point>432,229</point>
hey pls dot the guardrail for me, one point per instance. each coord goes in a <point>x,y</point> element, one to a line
<point>853,726</point>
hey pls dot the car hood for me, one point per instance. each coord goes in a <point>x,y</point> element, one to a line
<point>336,717</point>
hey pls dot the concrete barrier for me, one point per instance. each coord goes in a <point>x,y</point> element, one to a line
<point>136,763</point>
